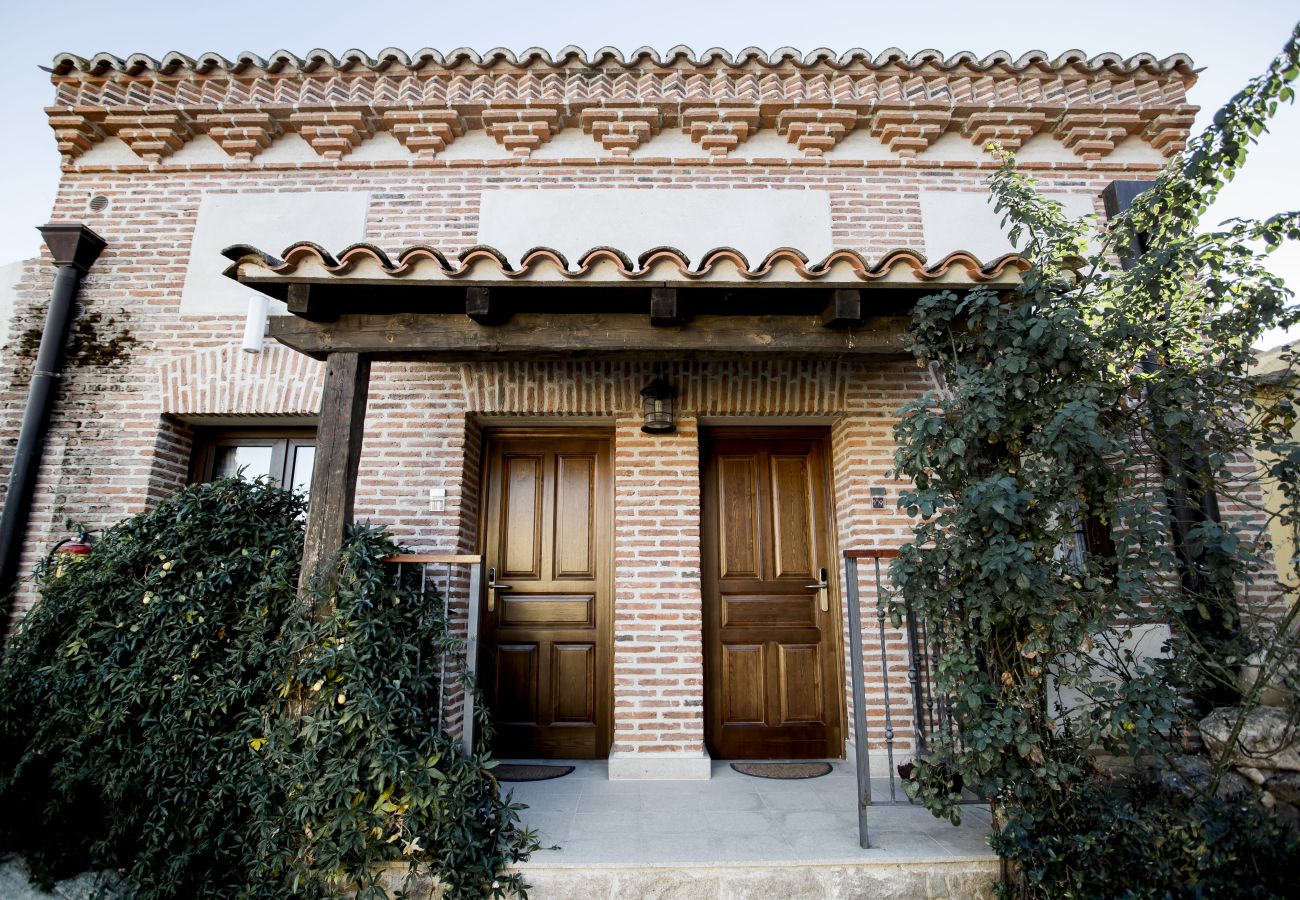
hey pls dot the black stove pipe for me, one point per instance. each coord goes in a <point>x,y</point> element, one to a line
<point>75,249</point>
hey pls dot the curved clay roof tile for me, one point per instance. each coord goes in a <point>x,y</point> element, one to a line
<point>293,256</point>
<point>66,63</point>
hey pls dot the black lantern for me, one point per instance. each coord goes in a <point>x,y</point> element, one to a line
<point>657,406</point>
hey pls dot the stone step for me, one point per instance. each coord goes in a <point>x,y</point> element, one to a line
<point>896,880</point>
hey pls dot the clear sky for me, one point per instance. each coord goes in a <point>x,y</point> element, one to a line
<point>1231,41</point>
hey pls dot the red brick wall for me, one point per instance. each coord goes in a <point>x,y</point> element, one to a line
<point>120,436</point>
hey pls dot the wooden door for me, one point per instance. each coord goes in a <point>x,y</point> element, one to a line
<point>771,663</point>
<point>545,638</point>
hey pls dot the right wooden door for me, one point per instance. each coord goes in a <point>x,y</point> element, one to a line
<point>771,662</point>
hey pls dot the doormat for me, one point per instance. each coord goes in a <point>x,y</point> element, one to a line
<point>519,772</point>
<point>784,769</point>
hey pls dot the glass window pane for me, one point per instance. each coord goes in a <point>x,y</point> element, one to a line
<point>254,461</point>
<point>304,456</point>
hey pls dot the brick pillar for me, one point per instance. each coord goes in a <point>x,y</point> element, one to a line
<point>658,617</point>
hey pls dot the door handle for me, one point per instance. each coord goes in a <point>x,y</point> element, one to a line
<point>820,586</point>
<point>493,585</point>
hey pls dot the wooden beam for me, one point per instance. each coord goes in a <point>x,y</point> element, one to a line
<point>664,311</point>
<point>334,472</point>
<point>620,336</point>
<point>844,309</point>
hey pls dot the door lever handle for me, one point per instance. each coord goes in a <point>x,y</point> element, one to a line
<point>820,587</point>
<point>493,586</point>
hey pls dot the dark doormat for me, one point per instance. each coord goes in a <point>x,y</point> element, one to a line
<point>520,772</point>
<point>783,769</point>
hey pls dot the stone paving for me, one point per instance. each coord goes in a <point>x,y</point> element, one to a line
<point>739,836</point>
<point>734,818</point>
<point>731,837</point>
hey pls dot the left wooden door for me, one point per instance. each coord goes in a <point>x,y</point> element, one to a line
<point>546,625</point>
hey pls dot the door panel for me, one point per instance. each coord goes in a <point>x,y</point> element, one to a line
<point>771,663</point>
<point>547,532</point>
<point>516,674</point>
<point>743,684</point>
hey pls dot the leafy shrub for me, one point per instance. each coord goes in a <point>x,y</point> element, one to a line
<point>1134,838</point>
<point>168,710</point>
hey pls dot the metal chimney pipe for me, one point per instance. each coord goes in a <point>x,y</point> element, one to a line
<point>75,249</point>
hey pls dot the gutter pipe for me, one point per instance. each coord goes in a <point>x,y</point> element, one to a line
<point>75,249</point>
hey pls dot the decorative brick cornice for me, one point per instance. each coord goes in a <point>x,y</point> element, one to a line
<point>1167,132</point>
<point>816,131</point>
<point>429,100</point>
<point>521,131</point>
<point>425,132</point>
<point>74,132</point>
<point>621,129</point>
<point>909,130</point>
<point>151,135</point>
<point>1009,129</point>
<point>241,134</point>
<point>333,134</point>
<point>1094,134</point>
<point>720,129</point>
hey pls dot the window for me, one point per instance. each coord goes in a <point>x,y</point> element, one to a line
<point>286,455</point>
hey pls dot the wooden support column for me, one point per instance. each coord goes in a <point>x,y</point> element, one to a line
<point>334,474</point>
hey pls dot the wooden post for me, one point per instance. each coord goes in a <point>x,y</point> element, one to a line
<point>334,474</point>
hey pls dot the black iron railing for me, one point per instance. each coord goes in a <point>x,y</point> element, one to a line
<point>442,572</point>
<point>930,713</point>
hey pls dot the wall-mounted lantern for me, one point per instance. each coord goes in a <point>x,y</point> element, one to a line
<point>657,402</point>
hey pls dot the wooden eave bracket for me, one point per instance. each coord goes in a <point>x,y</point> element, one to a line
<point>844,309</point>
<point>480,306</point>
<point>665,311</point>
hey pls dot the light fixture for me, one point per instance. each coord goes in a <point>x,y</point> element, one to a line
<point>657,405</point>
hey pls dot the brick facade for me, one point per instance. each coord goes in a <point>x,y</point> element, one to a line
<point>122,430</point>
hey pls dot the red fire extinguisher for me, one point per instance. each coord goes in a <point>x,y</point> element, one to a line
<point>70,548</point>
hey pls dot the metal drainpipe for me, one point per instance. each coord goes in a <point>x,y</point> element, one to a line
<point>75,249</point>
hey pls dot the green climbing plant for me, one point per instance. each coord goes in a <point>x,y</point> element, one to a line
<point>1108,392</point>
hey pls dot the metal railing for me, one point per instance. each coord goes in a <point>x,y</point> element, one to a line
<point>930,714</point>
<point>447,564</point>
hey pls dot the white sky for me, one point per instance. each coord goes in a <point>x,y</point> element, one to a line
<point>1232,41</point>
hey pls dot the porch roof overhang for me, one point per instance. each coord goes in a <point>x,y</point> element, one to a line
<point>481,305</point>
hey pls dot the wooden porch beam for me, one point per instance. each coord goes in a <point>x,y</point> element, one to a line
<point>585,336</point>
<point>334,473</point>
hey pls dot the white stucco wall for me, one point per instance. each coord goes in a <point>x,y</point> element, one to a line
<point>270,222</point>
<point>10,275</point>
<point>954,220</point>
<point>634,221</point>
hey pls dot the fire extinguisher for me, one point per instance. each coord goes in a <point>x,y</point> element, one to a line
<point>69,549</point>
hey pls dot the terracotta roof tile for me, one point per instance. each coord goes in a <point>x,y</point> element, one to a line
<point>785,265</point>
<point>568,57</point>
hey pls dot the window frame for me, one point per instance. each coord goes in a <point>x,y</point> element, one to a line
<point>284,443</point>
